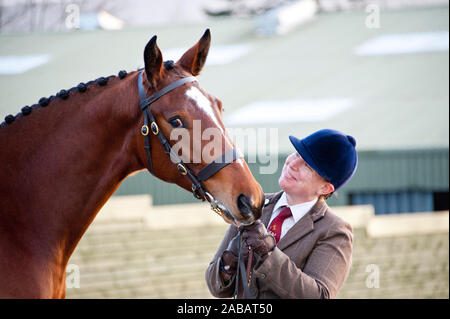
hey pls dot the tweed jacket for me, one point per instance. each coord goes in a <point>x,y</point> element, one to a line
<point>311,261</point>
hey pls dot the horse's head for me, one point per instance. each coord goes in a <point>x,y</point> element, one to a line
<point>191,121</point>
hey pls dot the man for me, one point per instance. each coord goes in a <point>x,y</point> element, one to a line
<point>306,253</point>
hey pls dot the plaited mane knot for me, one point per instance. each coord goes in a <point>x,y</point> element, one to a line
<point>9,119</point>
<point>26,110</point>
<point>63,94</point>
<point>44,101</point>
<point>102,81</point>
<point>81,87</point>
<point>169,65</point>
<point>122,74</point>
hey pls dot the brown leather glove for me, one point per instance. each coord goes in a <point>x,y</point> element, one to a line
<point>258,239</point>
<point>228,265</point>
<point>229,259</point>
<point>233,245</point>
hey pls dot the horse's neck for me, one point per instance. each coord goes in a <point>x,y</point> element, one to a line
<point>66,160</point>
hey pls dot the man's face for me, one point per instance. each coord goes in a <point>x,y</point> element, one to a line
<point>300,181</point>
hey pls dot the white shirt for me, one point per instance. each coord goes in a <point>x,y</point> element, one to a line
<point>298,211</point>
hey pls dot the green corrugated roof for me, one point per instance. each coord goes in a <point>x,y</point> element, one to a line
<point>401,101</point>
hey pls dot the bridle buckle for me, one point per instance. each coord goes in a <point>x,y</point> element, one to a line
<point>182,169</point>
<point>144,130</point>
<point>155,128</point>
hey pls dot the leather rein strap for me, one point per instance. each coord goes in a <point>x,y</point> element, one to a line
<point>206,172</point>
<point>242,273</point>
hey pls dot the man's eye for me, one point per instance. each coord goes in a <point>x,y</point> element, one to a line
<point>176,122</point>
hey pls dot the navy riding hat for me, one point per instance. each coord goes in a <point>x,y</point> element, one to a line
<point>330,153</point>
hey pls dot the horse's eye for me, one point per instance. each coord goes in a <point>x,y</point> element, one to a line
<point>176,122</point>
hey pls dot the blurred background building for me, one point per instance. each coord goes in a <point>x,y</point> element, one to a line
<point>377,70</point>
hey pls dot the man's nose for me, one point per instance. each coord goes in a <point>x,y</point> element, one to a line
<point>297,161</point>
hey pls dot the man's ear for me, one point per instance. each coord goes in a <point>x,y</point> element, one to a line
<point>327,188</point>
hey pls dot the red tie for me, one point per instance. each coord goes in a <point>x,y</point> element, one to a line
<point>277,222</point>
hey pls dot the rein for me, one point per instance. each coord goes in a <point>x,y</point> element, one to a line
<point>241,271</point>
<point>198,189</point>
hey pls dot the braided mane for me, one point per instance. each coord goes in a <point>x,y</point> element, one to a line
<point>63,94</point>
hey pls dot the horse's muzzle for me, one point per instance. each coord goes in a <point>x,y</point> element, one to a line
<point>249,210</point>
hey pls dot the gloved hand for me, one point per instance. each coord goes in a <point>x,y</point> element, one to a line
<point>258,239</point>
<point>228,265</point>
<point>229,259</point>
<point>233,245</point>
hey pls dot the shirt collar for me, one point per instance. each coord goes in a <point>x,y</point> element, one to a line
<point>298,210</point>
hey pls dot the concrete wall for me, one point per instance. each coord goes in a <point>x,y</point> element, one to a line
<point>136,250</point>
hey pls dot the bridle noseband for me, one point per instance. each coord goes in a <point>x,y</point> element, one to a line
<point>198,189</point>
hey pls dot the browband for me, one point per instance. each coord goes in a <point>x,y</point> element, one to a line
<point>146,101</point>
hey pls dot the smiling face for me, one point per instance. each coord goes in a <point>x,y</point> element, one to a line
<point>300,182</point>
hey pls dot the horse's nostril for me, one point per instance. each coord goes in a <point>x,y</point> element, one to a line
<point>244,205</point>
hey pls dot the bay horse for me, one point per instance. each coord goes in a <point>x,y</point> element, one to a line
<point>61,160</point>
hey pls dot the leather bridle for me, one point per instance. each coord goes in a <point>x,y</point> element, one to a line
<point>198,189</point>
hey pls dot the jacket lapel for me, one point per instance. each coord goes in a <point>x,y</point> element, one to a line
<point>304,226</point>
<point>268,208</point>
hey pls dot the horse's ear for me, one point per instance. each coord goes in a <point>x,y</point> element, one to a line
<point>194,59</point>
<point>153,61</point>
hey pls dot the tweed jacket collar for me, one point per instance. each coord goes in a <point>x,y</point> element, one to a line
<point>303,227</point>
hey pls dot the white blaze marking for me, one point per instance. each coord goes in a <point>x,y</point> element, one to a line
<point>202,102</point>
<point>205,105</point>
<point>241,162</point>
